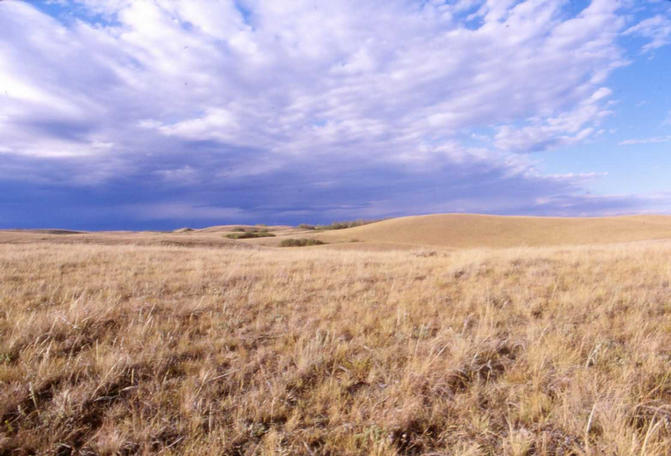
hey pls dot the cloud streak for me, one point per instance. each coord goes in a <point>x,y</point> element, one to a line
<point>656,29</point>
<point>653,140</point>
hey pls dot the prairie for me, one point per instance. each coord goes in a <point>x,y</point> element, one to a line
<point>194,344</point>
<point>475,231</point>
<point>454,231</point>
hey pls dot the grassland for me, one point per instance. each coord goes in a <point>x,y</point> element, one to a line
<point>237,348</point>
<point>475,231</point>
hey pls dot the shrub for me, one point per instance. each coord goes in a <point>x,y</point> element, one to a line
<point>343,225</point>
<point>250,234</point>
<point>242,232</point>
<point>300,242</point>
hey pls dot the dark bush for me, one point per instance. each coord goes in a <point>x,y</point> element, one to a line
<point>250,234</point>
<point>300,242</point>
<point>343,225</point>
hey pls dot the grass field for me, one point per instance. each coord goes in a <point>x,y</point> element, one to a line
<point>134,343</point>
<point>475,231</point>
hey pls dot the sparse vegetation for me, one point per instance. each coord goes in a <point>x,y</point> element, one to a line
<point>195,351</point>
<point>300,242</point>
<point>336,225</point>
<point>249,233</point>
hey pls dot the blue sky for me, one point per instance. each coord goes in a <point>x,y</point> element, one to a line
<point>155,114</point>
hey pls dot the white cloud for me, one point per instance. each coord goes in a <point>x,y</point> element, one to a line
<point>302,88</point>
<point>215,123</point>
<point>293,78</point>
<point>573,176</point>
<point>653,140</point>
<point>657,29</point>
<point>567,128</point>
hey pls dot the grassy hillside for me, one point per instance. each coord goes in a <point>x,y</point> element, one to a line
<point>443,230</point>
<point>468,230</point>
<point>209,351</point>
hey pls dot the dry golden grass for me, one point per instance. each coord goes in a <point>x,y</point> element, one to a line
<point>438,231</point>
<point>224,351</point>
<point>473,231</point>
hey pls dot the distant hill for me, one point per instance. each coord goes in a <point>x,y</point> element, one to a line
<point>469,230</point>
<point>442,230</point>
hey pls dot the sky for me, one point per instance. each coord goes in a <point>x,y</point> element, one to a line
<point>157,114</point>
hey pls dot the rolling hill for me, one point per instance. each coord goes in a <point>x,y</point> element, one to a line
<point>470,230</point>
<point>454,231</point>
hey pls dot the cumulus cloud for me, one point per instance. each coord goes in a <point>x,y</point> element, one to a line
<point>371,100</point>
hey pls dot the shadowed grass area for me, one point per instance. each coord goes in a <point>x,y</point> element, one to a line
<point>194,351</point>
<point>249,233</point>
<point>303,242</point>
